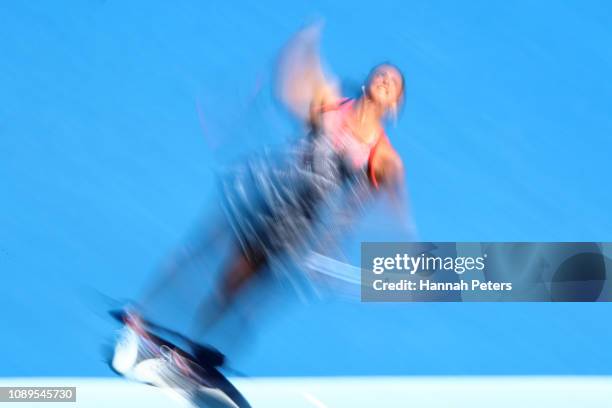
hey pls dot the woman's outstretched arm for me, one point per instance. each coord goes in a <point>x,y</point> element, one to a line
<point>387,175</point>
<point>301,83</point>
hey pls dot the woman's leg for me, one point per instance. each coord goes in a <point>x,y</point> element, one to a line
<point>191,254</point>
<point>237,273</point>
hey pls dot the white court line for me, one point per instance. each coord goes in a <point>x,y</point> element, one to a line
<point>312,399</point>
<point>354,392</point>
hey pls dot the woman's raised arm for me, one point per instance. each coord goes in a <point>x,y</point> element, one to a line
<point>301,83</point>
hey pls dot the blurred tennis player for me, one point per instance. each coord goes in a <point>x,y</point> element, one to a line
<point>282,206</point>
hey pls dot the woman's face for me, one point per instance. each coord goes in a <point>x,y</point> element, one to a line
<point>385,86</point>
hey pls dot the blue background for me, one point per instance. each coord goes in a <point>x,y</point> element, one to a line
<point>113,113</point>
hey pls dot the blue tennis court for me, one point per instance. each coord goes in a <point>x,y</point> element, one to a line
<point>114,116</point>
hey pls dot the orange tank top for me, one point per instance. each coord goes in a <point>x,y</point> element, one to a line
<point>335,127</point>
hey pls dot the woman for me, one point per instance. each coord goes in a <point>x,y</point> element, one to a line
<point>347,156</point>
<point>280,207</point>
